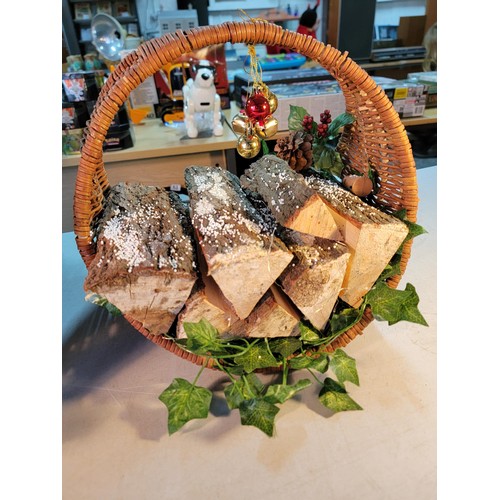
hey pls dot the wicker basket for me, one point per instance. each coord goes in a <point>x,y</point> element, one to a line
<point>377,136</point>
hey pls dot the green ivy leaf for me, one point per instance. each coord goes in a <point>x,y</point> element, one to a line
<point>279,393</point>
<point>414,229</point>
<point>335,397</point>
<point>295,117</point>
<point>247,387</point>
<point>257,356</point>
<point>265,147</point>
<point>185,401</point>
<point>285,346</point>
<point>394,305</point>
<point>392,269</point>
<point>319,363</point>
<point>202,337</point>
<point>345,319</point>
<point>344,367</point>
<point>307,334</point>
<point>259,413</point>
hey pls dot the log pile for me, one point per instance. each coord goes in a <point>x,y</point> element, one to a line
<point>254,256</point>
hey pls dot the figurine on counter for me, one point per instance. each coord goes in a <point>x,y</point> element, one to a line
<point>200,97</point>
<point>309,21</point>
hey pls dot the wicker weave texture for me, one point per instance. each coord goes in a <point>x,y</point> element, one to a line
<point>377,138</point>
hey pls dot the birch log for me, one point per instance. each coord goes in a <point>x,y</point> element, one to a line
<point>292,202</point>
<point>145,260</point>
<point>242,256</point>
<point>314,278</point>
<point>372,236</point>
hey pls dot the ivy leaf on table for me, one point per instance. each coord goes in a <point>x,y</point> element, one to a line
<point>279,393</point>
<point>259,413</point>
<point>185,401</point>
<point>344,367</point>
<point>247,387</point>
<point>394,305</point>
<point>334,396</point>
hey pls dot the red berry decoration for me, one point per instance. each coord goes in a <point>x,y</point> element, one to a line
<point>325,117</point>
<point>257,107</point>
<point>322,129</point>
<point>307,123</point>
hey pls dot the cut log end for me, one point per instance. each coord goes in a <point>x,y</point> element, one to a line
<point>313,281</point>
<point>291,201</point>
<point>274,316</point>
<point>373,237</point>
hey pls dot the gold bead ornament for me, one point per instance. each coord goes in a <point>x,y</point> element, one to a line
<point>248,146</point>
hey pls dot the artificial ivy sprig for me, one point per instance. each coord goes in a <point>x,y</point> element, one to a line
<point>257,403</point>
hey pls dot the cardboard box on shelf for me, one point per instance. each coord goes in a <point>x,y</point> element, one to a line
<point>408,98</point>
<point>428,78</point>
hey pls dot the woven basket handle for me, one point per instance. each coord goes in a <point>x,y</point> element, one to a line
<point>377,137</point>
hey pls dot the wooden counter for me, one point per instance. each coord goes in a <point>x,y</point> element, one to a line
<point>152,139</point>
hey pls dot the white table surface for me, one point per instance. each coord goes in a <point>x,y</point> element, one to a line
<point>115,444</point>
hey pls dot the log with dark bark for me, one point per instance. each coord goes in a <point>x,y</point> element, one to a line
<point>145,261</point>
<point>243,256</point>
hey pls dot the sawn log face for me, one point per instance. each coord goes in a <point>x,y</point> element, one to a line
<point>315,276</point>
<point>291,201</point>
<point>372,236</point>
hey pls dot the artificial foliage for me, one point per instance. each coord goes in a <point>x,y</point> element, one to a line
<point>244,360</point>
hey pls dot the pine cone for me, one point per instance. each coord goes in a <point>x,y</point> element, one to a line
<point>296,149</point>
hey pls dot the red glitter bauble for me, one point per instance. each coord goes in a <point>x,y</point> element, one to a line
<point>257,107</point>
